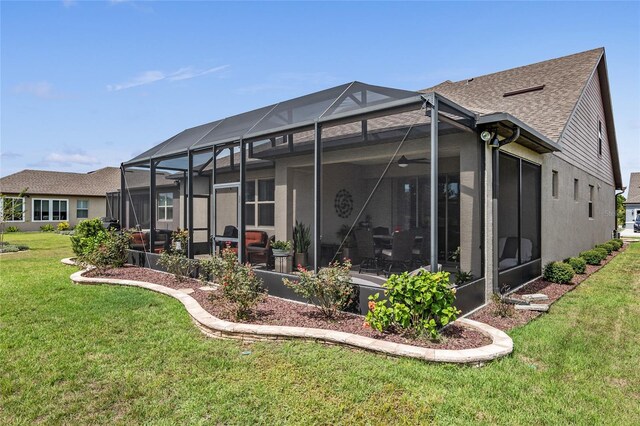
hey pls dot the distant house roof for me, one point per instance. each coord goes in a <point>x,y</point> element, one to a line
<point>96,183</point>
<point>633,196</point>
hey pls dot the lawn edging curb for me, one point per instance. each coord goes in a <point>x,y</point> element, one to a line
<point>212,326</point>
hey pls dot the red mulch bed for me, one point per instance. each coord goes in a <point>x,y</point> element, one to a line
<point>554,291</point>
<point>275,311</point>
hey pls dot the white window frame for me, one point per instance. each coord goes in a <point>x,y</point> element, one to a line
<point>2,209</point>
<point>256,203</point>
<point>50,209</point>
<point>165,208</point>
<point>83,209</point>
<point>590,205</point>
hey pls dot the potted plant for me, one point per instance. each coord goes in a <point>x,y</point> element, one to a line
<point>349,250</point>
<point>301,243</point>
<point>281,248</point>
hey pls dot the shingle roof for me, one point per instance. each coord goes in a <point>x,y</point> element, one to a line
<point>96,183</point>
<point>633,196</point>
<point>547,110</point>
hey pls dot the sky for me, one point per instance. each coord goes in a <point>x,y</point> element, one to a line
<point>86,85</point>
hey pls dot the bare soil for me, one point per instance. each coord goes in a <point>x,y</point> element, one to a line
<point>276,311</point>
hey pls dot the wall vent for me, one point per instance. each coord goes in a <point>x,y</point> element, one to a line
<point>521,91</point>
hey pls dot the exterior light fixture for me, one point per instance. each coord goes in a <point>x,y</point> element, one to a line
<point>485,136</point>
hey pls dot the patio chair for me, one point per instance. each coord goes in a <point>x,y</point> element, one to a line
<point>258,254</point>
<point>366,251</point>
<point>401,250</point>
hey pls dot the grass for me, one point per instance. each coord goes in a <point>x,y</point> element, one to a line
<point>98,354</point>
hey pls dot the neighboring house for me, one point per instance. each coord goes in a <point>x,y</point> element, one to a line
<point>54,197</point>
<point>632,204</point>
<point>520,168</point>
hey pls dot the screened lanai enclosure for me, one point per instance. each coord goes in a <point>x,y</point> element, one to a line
<point>388,178</point>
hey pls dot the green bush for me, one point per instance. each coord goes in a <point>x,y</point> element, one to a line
<point>607,246</point>
<point>578,264</point>
<point>63,226</point>
<point>329,290</point>
<point>9,248</point>
<point>603,252</point>
<point>502,308</point>
<point>47,227</point>
<point>176,263</point>
<point>558,272</point>
<point>417,304</point>
<point>619,241</point>
<point>238,283</point>
<point>87,236</point>
<point>12,229</point>
<point>592,257</point>
<point>617,244</point>
<point>108,252</point>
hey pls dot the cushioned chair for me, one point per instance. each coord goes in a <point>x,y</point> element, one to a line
<point>508,251</point>
<point>366,251</point>
<point>401,251</point>
<point>258,254</point>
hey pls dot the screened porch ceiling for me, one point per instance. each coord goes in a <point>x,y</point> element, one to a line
<point>342,104</point>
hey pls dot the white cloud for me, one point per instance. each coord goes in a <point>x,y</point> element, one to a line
<point>9,154</point>
<point>69,3</point>
<point>39,89</point>
<point>149,77</point>
<point>70,158</point>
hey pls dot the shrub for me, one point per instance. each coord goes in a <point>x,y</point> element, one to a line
<point>592,257</point>
<point>558,272</point>
<point>238,283</point>
<point>330,290</point>
<point>107,252</point>
<point>9,248</point>
<point>617,244</point>
<point>602,251</point>
<point>607,246</point>
<point>63,226</point>
<point>87,235</point>
<point>47,227</point>
<point>578,264</point>
<point>176,263</point>
<point>12,229</point>
<point>22,247</point>
<point>502,308</point>
<point>282,245</point>
<point>419,304</point>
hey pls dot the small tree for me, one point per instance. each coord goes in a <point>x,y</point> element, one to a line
<point>10,210</point>
<point>620,211</point>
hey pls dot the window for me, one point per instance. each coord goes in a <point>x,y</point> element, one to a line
<point>260,202</point>
<point>165,206</point>
<point>590,201</point>
<point>49,210</point>
<point>82,209</point>
<point>554,184</point>
<point>576,188</point>
<point>12,209</point>
<point>599,138</point>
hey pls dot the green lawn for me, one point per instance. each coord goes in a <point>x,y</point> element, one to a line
<point>98,354</point>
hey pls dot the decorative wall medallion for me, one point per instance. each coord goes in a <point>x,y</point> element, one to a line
<point>344,203</point>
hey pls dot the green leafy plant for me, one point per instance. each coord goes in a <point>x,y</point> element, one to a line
<point>12,229</point>
<point>602,251</point>
<point>109,252</point>
<point>281,245</point>
<point>47,227</point>
<point>330,290</point>
<point>175,260</point>
<point>238,283</point>
<point>616,243</point>
<point>9,248</point>
<point>502,308</point>
<point>619,242</point>
<point>418,304</point>
<point>558,272</point>
<point>88,234</point>
<point>301,237</point>
<point>22,247</point>
<point>462,277</point>
<point>63,226</point>
<point>578,264</point>
<point>607,246</point>
<point>592,257</point>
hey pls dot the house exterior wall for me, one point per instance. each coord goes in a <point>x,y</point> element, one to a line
<point>97,208</point>
<point>579,140</point>
<point>631,211</point>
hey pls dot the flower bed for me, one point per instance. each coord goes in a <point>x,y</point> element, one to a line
<point>276,311</point>
<point>554,291</point>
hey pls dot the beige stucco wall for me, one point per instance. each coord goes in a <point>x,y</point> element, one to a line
<point>97,208</point>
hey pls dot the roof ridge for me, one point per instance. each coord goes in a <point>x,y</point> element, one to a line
<point>601,49</point>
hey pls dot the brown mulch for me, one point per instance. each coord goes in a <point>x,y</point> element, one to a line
<point>554,291</point>
<point>276,311</point>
